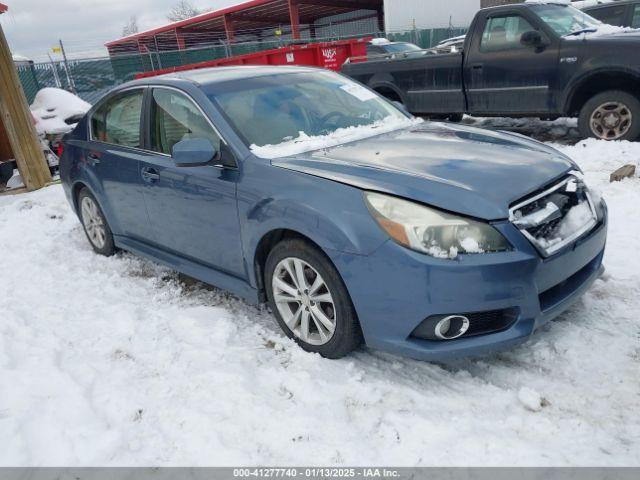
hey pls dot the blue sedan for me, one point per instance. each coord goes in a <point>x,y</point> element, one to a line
<point>355,221</point>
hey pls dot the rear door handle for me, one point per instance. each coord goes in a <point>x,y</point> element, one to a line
<point>93,158</point>
<point>150,175</point>
<point>477,66</point>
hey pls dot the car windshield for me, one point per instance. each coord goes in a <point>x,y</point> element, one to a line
<point>564,19</point>
<point>309,110</point>
<point>400,47</point>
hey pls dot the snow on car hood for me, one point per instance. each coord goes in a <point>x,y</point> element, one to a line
<point>466,170</point>
<point>305,143</point>
<point>52,107</point>
<point>605,31</point>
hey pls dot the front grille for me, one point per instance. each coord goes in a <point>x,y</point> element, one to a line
<point>556,217</point>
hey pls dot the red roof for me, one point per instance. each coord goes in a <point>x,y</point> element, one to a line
<point>258,13</point>
<point>3,8</point>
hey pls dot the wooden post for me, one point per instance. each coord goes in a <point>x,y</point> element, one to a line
<point>17,121</point>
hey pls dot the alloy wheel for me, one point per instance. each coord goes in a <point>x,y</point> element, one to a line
<point>611,121</point>
<point>304,301</point>
<point>93,223</point>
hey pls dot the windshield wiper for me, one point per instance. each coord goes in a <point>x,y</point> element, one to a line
<point>583,30</point>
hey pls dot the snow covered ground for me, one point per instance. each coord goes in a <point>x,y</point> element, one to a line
<point>119,362</point>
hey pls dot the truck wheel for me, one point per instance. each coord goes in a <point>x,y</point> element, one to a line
<point>612,115</point>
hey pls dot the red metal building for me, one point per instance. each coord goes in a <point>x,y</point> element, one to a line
<point>255,20</point>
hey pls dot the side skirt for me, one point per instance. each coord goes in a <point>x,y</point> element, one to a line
<point>207,275</point>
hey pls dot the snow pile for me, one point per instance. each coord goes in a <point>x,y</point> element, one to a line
<point>548,2</point>
<point>20,58</point>
<point>54,107</point>
<point>380,41</point>
<point>582,4</point>
<point>471,245</point>
<point>116,361</point>
<point>530,399</point>
<point>305,143</point>
<point>576,218</point>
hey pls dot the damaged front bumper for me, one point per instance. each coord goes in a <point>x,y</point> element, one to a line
<point>394,290</point>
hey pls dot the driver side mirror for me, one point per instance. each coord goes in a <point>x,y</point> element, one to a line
<point>532,38</point>
<point>193,152</point>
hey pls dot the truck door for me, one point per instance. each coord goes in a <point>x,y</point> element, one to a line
<point>504,76</point>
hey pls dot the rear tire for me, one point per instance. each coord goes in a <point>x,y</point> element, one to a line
<point>95,224</point>
<point>306,295</point>
<point>612,115</point>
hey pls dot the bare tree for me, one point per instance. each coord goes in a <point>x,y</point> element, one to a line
<point>131,27</point>
<point>182,10</point>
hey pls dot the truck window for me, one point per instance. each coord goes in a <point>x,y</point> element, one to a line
<point>503,33</point>
<point>636,17</point>
<point>564,19</point>
<point>614,15</point>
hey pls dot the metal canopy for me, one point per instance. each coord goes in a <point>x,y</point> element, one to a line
<point>247,18</point>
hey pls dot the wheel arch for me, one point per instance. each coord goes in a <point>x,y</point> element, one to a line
<point>384,85</point>
<point>389,92</point>
<point>105,207</point>
<point>598,82</point>
<point>268,241</point>
<point>75,193</point>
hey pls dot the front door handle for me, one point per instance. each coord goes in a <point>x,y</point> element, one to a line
<point>477,66</point>
<point>150,175</point>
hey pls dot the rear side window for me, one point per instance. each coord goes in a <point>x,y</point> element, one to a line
<point>174,117</point>
<point>117,121</point>
<point>504,33</point>
<point>610,15</point>
<point>636,17</point>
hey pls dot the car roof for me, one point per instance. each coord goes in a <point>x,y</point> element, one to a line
<point>209,76</point>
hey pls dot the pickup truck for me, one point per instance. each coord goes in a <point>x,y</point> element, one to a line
<point>536,59</point>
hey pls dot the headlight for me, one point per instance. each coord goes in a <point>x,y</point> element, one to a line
<point>432,231</point>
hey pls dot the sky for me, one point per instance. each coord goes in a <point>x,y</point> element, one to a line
<point>32,27</point>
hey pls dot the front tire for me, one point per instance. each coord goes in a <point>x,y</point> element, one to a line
<point>612,115</point>
<point>95,224</point>
<point>310,301</point>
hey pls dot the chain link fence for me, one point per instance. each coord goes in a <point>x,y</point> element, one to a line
<point>91,78</point>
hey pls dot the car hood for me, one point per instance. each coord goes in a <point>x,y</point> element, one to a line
<point>471,171</point>
<point>620,35</point>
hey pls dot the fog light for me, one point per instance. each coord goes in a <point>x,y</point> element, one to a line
<point>451,327</point>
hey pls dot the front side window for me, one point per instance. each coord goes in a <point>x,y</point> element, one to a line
<point>117,121</point>
<point>614,15</point>
<point>174,117</point>
<point>504,33</point>
<point>635,23</point>
<point>564,19</point>
<point>282,108</point>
